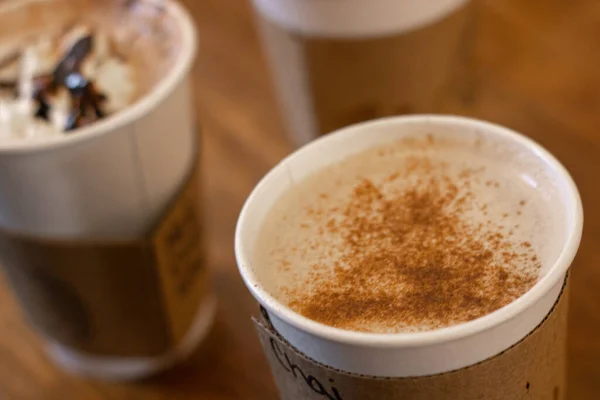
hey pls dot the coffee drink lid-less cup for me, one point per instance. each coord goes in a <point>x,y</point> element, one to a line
<point>420,353</point>
<point>98,193</point>
<point>336,63</point>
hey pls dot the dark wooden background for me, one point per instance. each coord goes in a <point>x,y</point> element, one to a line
<point>536,69</point>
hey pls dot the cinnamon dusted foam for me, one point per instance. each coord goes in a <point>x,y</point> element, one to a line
<point>417,235</point>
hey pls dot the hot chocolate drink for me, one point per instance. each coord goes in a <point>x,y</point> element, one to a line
<point>419,234</point>
<point>67,64</point>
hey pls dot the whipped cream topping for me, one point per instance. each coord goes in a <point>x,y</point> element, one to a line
<point>72,74</point>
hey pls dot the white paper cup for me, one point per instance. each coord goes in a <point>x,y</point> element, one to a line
<point>339,62</point>
<point>408,354</point>
<point>110,180</point>
<point>355,18</point>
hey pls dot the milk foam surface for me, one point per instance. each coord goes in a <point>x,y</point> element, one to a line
<point>299,254</point>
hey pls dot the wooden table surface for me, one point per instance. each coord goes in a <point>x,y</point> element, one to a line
<point>536,69</point>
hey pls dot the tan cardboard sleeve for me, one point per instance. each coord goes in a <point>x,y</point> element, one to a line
<point>532,369</point>
<point>126,298</point>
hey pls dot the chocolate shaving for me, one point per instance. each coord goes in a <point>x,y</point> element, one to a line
<point>43,86</point>
<point>72,60</point>
<point>43,111</point>
<point>86,101</point>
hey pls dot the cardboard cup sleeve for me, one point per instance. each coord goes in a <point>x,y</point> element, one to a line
<point>532,369</point>
<point>129,298</point>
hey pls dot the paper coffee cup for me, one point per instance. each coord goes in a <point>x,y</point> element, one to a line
<point>336,63</point>
<point>422,354</point>
<point>107,190</point>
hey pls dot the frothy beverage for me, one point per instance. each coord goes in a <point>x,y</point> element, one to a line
<point>66,64</point>
<point>419,234</point>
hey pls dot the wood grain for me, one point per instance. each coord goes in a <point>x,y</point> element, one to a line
<point>536,68</point>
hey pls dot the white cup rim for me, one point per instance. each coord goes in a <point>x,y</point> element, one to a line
<point>418,339</point>
<point>141,107</point>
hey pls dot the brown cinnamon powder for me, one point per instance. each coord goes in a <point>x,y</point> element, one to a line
<point>414,258</point>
